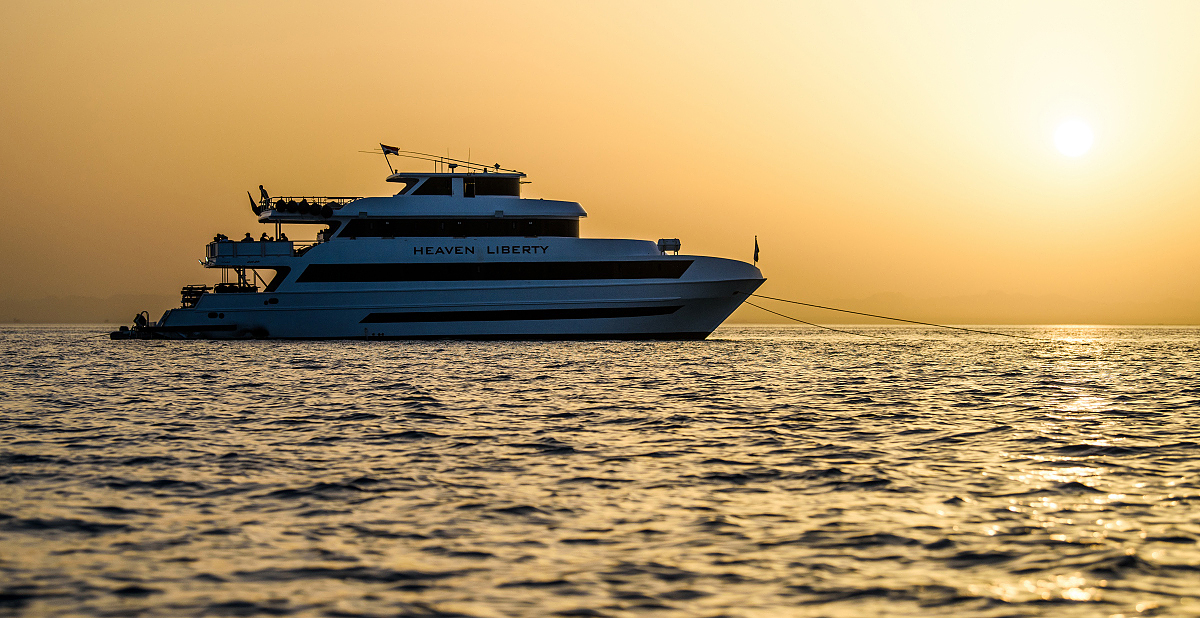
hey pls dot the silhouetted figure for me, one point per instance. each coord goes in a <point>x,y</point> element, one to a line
<point>265,198</point>
<point>264,237</point>
<point>282,236</point>
<point>248,238</point>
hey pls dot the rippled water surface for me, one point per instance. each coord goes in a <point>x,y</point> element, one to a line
<point>767,471</point>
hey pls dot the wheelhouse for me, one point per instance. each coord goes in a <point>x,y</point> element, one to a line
<point>468,184</point>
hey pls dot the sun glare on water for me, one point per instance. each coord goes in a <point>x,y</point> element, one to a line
<point>1073,137</point>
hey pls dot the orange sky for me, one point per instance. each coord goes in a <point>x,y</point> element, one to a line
<point>894,154</point>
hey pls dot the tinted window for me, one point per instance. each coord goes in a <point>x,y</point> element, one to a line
<point>488,185</point>
<point>504,315</point>
<point>434,186</point>
<point>392,228</point>
<point>407,182</point>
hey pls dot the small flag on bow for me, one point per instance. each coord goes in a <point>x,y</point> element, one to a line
<point>755,250</point>
<point>387,150</point>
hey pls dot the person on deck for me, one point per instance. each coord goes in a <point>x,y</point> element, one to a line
<point>264,237</point>
<point>248,238</point>
<point>282,236</point>
<point>265,198</point>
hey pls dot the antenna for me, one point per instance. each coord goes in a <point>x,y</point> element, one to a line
<point>441,162</point>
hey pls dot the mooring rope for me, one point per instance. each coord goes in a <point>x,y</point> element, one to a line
<point>811,324</point>
<point>885,317</point>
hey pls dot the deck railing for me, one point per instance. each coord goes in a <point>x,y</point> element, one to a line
<point>245,248</point>
<point>303,204</point>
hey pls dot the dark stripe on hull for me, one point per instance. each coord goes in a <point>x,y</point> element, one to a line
<point>680,336</point>
<point>493,271</point>
<point>683,336</point>
<point>505,315</point>
<point>196,328</point>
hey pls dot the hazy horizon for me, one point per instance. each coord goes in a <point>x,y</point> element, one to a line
<point>897,155</point>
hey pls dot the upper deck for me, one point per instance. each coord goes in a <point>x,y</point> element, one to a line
<point>472,192</point>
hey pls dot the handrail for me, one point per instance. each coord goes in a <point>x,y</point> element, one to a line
<point>269,203</point>
<point>229,248</point>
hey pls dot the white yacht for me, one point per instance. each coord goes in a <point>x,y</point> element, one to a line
<point>454,253</point>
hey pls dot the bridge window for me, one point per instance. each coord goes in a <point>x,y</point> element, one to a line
<point>490,185</point>
<point>434,186</point>
<point>407,182</point>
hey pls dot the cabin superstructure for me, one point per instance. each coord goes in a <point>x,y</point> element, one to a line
<point>476,201</point>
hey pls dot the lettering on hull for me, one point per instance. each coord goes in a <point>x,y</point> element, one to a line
<point>491,250</point>
<point>455,250</point>
<point>514,249</point>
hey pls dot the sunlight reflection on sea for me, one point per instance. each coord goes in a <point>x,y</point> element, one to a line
<point>765,471</point>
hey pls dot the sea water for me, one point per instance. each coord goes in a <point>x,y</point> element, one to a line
<point>766,471</point>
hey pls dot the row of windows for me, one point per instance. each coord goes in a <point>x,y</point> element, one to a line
<point>472,186</point>
<point>507,315</point>
<point>399,228</point>
<point>494,271</point>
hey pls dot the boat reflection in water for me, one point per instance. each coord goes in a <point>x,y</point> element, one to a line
<point>454,253</point>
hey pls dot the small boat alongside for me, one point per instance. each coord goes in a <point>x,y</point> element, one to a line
<point>454,253</point>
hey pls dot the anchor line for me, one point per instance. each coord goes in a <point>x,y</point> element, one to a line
<point>811,324</point>
<point>885,317</point>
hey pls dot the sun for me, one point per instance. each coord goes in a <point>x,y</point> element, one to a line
<point>1073,137</point>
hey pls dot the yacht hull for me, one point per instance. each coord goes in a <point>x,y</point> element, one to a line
<point>638,309</point>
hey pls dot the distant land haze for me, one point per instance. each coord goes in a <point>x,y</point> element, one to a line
<point>899,158</point>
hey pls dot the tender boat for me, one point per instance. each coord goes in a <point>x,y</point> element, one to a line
<point>454,253</point>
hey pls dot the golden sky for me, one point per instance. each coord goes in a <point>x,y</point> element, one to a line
<point>895,154</point>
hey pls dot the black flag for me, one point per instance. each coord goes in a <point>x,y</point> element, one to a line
<point>255,207</point>
<point>756,250</point>
<point>387,150</point>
